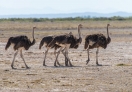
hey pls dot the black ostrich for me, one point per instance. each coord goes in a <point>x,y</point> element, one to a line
<point>65,42</point>
<point>20,42</point>
<point>96,41</point>
<point>45,41</point>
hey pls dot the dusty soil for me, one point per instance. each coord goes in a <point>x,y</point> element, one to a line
<point>81,78</point>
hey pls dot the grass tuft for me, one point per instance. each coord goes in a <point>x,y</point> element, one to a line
<point>122,64</point>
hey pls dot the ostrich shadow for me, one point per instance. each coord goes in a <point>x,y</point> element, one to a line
<point>62,66</point>
<point>98,65</point>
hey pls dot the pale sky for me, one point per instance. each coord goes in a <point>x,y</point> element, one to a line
<point>8,7</point>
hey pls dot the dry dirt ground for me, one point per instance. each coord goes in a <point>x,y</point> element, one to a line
<point>81,78</point>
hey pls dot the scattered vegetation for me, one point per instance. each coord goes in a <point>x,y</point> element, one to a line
<point>68,19</point>
<point>123,64</point>
<point>47,26</point>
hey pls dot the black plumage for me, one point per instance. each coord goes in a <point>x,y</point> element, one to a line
<point>19,41</point>
<point>45,41</point>
<point>96,41</point>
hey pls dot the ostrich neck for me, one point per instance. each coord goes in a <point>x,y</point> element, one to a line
<point>79,32</point>
<point>107,32</point>
<point>33,34</point>
<point>33,42</point>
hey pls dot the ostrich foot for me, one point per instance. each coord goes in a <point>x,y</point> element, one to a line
<point>87,62</point>
<point>44,65</point>
<point>55,65</point>
<point>99,64</point>
<point>71,65</point>
<point>28,67</point>
<point>13,67</point>
<point>66,64</point>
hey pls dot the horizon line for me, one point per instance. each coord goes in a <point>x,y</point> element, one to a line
<point>64,13</point>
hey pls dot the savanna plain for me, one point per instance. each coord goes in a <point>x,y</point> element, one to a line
<point>115,74</point>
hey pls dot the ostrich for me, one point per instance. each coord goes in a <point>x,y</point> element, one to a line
<point>65,42</point>
<point>20,42</point>
<point>45,41</point>
<point>96,41</point>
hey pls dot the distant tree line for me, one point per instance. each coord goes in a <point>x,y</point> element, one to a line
<point>68,19</point>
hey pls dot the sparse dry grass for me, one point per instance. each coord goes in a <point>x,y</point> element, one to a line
<point>62,25</point>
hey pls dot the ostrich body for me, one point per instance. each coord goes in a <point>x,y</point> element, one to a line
<point>20,42</point>
<point>96,41</point>
<point>66,42</point>
<point>45,41</point>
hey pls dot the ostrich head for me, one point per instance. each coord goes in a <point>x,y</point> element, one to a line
<point>108,24</point>
<point>80,25</point>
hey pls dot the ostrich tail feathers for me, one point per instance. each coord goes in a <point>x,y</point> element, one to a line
<point>41,44</point>
<point>8,43</point>
<point>86,45</point>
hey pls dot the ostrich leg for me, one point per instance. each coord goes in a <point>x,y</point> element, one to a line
<point>57,57</point>
<point>45,57</point>
<point>68,57</point>
<point>88,56</point>
<point>23,59</point>
<point>97,57</point>
<point>14,59</point>
<point>66,60</point>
